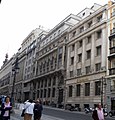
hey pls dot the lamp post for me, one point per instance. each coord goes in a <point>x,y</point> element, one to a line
<point>14,72</point>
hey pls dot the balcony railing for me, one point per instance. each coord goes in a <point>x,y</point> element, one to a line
<point>112,50</point>
<point>112,71</point>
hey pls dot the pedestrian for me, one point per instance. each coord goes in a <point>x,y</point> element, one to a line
<point>98,113</point>
<point>29,106</point>
<point>38,109</point>
<point>6,108</point>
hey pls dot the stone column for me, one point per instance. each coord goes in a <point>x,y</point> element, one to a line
<point>103,50</point>
<point>93,52</point>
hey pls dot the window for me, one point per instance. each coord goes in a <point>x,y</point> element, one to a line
<point>80,43</point>
<point>79,57</point>
<point>60,50</point>
<point>73,34</point>
<point>45,93</point>
<point>53,92</point>
<point>99,18</point>
<point>78,72</point>
<point>89,24</point>
<point>98,50</point>
<point>89,39</point>
<point>81,29</point>
<point>113,64</point>
<point>98,88</point>
<point>46,83</point>
<point>72,60</point>
<point>98,66</point>
<point>112,43</point>
<point>70,91</point>
<point>88,69</point>
<point>78,89</point>
<point>99,34</point>
<point>54,81</point>
<point>88,54</point>
<point>41,95</point>
<point>71,73</point>
<point>87,89</point>
<point>72,47</point>
<point>49,83</point>
<point>49,92</point>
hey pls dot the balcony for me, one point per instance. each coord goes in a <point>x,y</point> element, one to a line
<point>112,71</point>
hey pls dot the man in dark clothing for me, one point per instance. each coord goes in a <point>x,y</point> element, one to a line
<point>38,110</point>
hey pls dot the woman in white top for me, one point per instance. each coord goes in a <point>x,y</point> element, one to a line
<point>29,106</point>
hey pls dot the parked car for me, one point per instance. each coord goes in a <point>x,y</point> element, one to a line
<point>112,113</point>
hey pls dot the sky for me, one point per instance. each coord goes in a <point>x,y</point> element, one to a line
<point>19,17</point>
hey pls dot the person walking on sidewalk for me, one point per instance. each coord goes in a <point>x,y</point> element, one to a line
<point>98,113</point>
<point>6,108</point>
<point>29,106</point>
<point>38,109</point>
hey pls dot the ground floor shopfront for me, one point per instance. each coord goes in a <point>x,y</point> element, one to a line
<point>86,91</point>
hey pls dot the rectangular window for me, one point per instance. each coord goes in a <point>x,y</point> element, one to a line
<point>88,54</point>
<point>99,34</point>
<point>73,34</point>
<point>78,89</point>
<point>71,73</point>
<point>72,47</point>
<point>78,72</point>
<point>90,24</point>
<point>79,57</point>
<point>98,66</point>
<point>80,43</point>
<point>98,88</point>
<point>98,50</point>
<point>49,92</point>
<point>81,29</point>
<point>72,60</point>
<point>99,18</point>
<point>87,89</point>
<point>70,91</point>
<point>88,69</point>
<point>89,39</point>
<point>53,92</point>
<point>45,93</point>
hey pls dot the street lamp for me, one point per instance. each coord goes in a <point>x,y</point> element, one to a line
<point>14,72</point>
<point>103,83</point>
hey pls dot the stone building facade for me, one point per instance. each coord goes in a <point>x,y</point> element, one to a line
<point>86,58</point>
<point>51,63</point>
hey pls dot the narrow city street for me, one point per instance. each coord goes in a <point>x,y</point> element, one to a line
<point>58,114</point>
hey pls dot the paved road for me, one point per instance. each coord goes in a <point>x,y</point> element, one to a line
<point>58,114</point>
